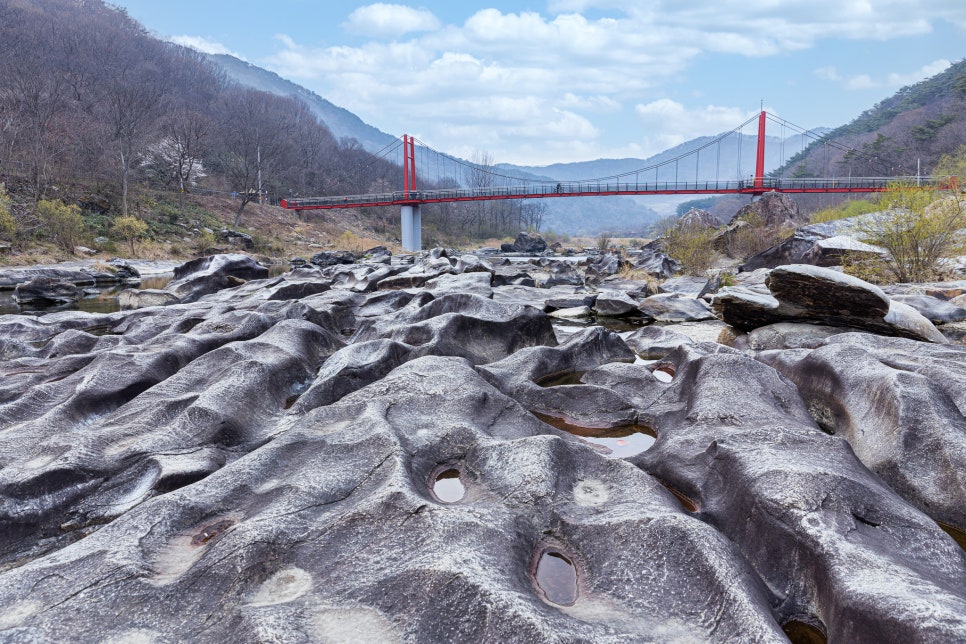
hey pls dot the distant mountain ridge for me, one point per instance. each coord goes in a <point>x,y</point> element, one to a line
<point>340,121</point>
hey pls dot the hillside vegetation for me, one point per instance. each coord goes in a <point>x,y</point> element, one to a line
<point>915,126</point>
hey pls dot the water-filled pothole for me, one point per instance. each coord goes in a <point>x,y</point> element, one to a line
<point>664,373</point>
<point>803,633</point>
<point>958,535</point>
<point>291,400</point>
<point>447,486</point>
<point>556,577</point>
<point>613,442</point>
<point>561,378</point>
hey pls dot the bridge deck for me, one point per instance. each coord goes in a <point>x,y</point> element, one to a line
<point>600,189</point>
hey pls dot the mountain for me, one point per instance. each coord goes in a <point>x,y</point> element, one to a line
<point>910,130</point>
<point>341,122</point>
<point>732,158</point>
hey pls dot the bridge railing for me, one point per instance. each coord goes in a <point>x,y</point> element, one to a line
<point>538,190</point>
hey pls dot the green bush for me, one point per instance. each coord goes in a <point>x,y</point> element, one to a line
<point>919,230</point>
<point>690,244</point>
<point>8,224</point>
<point>61,223</point>
<point>844,210</point>
<point>131,229</point>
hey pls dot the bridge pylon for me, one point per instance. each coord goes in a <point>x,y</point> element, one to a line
<point>409,215</point>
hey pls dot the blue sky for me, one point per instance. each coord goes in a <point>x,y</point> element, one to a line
<point>572,80</point>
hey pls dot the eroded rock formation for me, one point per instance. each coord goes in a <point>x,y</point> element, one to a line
<point>338,453</point>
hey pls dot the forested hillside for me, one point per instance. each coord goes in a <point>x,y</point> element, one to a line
<point>915,126</point>
<point>93,109</point>
<point>86,95</point>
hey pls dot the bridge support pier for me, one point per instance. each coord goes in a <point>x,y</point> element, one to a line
<point>412,228</point>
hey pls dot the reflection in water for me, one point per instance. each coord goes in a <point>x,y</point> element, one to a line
<point>448,487</point>
<point>614,442</point>
<point>802,633</point>
<point>101,299</point>
<point>557,577</point>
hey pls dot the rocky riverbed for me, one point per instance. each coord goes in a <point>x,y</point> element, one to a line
<point>462,450</point>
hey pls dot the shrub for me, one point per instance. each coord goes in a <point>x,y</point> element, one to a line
<point>753,238</point>
<point>131,229</point>
<point>603,242</point>
<point>843,210</point>
<point>204,243</point>
<point>690,244</point>
<point>918,231</point>
<point>61,223</point>
<point>8,224</point>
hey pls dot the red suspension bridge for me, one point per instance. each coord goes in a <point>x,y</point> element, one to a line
<point>459,181</point>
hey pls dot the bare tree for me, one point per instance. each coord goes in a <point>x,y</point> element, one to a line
<point>255,139</point>
<point>132,91</point>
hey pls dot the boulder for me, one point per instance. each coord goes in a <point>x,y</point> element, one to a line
<point>237,238</point>
<point>206,275</point>
<point>655,262</point>
<point>46,291</point>
<point>801,293</point>
<point>473,264</point>
<point>675,307</point>
<point>124,271</point>
<point>821,244</point>
<point>614,304</point>
<point>655,342</point>
<point>131,298</point>
<point>775,210</point>
<point>935,310</point>
<point>685,285</point>
<point>526,242</point>
<point>698,217</point>
<point>334,257</point>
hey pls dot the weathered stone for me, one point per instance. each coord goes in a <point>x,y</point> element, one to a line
<point>530,243</point>
<point>655,262</point>
<point>46,291</point>
<point>614,304</point>
<point>238,238</point>
<point>473,264</point>
<point>675,307</point>
<point>932,308</point>
<point>698,217</point>
<point>788,335</point>
<point>901,406</point>
<point>572,312</point>
<point>205,275</point>
<point>775,210</point>
<point>655,342</point>
<point>801,293</point>
<point>685,285</point>
<point>131,298</point>
<point>334,257</point>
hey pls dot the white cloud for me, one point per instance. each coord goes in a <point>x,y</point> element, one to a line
<point>933,68</point>
<point>509,78</point>
<point>390,20</point>
<point>204,45</point>
<point>895,80</point>
<point>669,123</point>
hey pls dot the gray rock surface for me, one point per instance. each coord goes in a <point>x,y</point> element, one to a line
<point>675,307</point>
<point>901,406</point>
<point>46,291</point>
<point>802,293</point>
<point>309,458</point>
